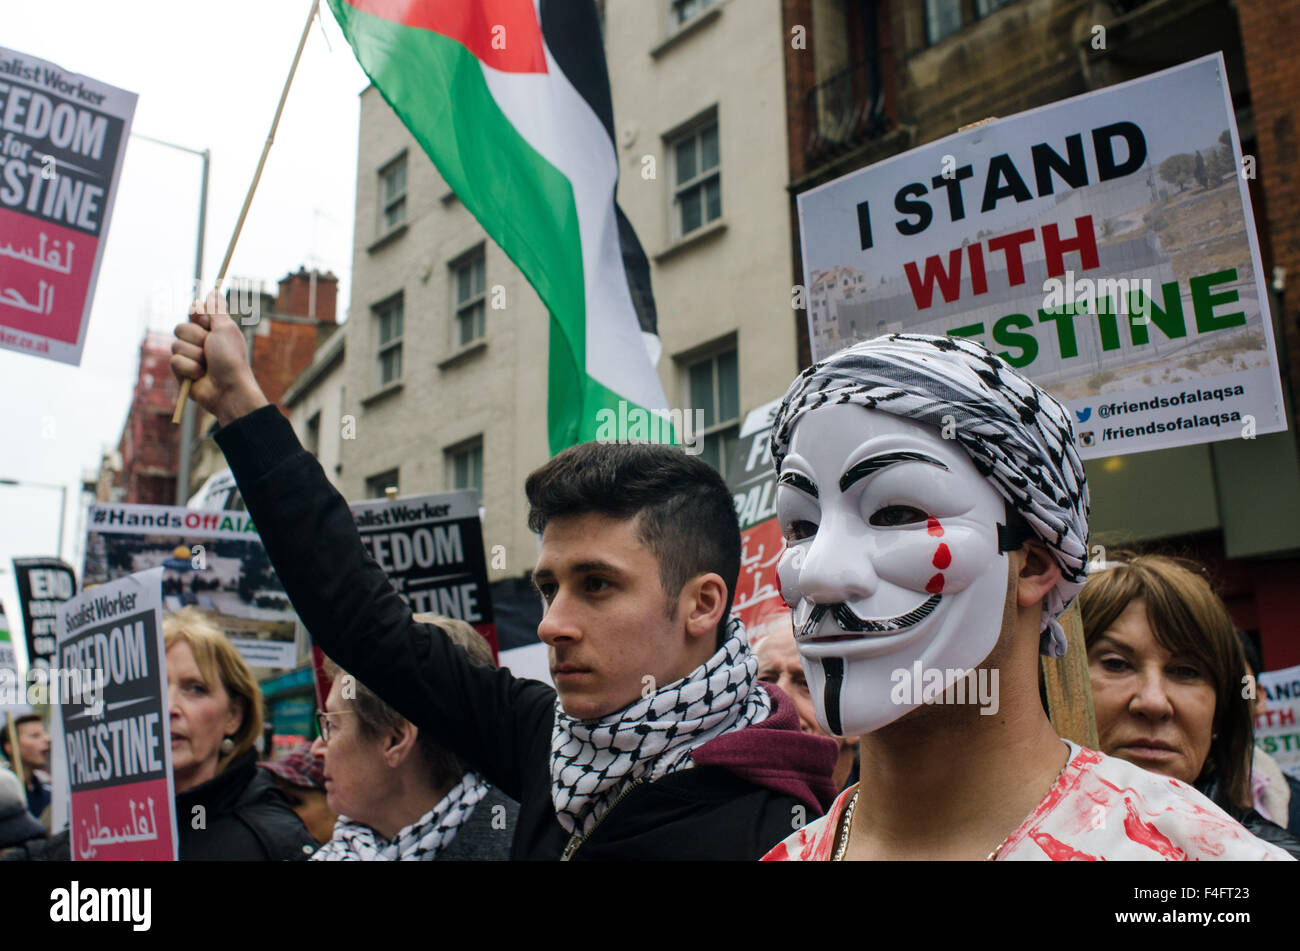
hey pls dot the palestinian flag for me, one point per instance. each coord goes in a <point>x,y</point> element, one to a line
<point>510,99</point>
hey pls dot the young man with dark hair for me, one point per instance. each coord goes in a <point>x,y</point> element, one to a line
<point>657,741</point>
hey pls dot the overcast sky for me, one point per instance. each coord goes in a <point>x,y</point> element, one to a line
<point>208,75</point>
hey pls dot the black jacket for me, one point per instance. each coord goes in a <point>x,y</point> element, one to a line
<point>498,723</point>
<point>240,815</point>
<point>1257,825</point>
<point>243,818</point>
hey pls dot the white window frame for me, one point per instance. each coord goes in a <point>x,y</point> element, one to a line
<point>388,202</point>
<point>694,131</point>
<point>476,302</point>
<point>719,425</point>
<point>462,449</point>
<point>384,347</point>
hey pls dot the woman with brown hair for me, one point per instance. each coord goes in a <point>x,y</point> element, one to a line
<point>226,808</point>
<point>1167,676</point>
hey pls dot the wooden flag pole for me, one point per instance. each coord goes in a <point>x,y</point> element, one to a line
<point>248,199</point>
<point>1069,689</point>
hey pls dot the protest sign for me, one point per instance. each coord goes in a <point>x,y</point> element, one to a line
<point>1103,245</point>
<point>758,601</point>
<point>117,732</point>
<point>431,548</point>
<point>13,693</point>
<point>62,141</point>
<point>43,584</point>
<point>8,659</point>
<point>1277,728</point>
<point>213,560</point>
<point>11,696</point>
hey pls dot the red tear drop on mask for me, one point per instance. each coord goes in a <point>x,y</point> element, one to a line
<point>942,556</point>
<point>935,585</point>
<point>933,527</point>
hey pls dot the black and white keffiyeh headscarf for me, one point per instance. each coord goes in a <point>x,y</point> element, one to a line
<point>1019,437</point>
<point>593,761</point>
<point>421,841</point>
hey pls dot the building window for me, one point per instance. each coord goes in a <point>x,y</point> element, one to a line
<point>388,324</point>
<point>945,17</point>
<point>377,486</point>
<point>313,434</point>
<point>392,190</point>
<point>713,385</point>
<point>465,466</point>
<point>697,178</point>
<point>470,283</point>
<point>942,18</point>
<point>683,11</point>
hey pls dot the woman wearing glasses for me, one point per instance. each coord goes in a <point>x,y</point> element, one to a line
<point>1167,675</point>
<point>399,795</point>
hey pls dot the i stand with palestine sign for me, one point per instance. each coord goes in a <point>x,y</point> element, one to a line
<point>1103,245</point>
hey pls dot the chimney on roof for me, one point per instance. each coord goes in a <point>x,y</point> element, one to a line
<point>306,293</point>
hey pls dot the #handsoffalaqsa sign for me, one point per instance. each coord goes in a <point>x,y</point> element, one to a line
<point>212,560</point>
<point>62,141</point>
<point>115,726</point>
<point>1103,245</point>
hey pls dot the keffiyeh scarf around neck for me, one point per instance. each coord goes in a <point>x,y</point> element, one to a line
<point>1017,434</point>
<point>421,841</point>
<point>593,761</point>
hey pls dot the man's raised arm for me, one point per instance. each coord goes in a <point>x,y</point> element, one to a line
<point>485,716</point>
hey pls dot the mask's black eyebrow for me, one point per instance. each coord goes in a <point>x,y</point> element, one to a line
<point>873,464</point>
<point>799,481</point>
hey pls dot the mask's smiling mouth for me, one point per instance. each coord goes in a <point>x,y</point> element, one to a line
<point>856,626</point>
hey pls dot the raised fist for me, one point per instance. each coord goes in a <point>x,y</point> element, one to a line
<point>210,350</point>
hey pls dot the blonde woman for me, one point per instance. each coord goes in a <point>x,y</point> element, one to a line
<point>226,808</point>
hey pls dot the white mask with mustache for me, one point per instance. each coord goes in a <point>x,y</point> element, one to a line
<point>893,556</point>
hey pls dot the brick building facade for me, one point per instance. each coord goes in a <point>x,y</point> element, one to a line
<point>288,328</point>
<point>147,448</point>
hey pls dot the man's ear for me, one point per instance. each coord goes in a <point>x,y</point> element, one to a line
<point>704,598</point>
<point>400,743</point>
<point>1039,573</point>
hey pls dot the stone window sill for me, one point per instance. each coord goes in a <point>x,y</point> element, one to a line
<point>463,353</point>
<point>690,26</point>
<point>387,238</point>
<point>382,393</point>
<point>698,236</point>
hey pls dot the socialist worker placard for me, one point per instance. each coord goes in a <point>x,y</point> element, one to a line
<point>62,142</point>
